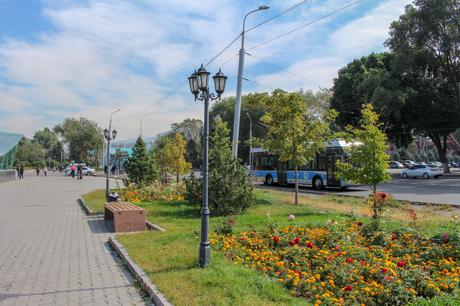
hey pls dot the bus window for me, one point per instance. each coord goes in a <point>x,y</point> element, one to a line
<point>271,163</point>
<point>320,163</point>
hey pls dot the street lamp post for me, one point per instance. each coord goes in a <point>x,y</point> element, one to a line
<point>239,85</point>
<point>199,86</point>
<point>109,135</point>
<point>250,143</point>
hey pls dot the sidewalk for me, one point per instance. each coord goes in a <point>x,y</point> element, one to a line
<point>51,253</point>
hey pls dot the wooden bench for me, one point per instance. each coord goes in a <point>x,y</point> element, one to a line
<point>126,216</point>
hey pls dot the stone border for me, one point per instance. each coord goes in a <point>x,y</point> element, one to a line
<point>153,227</point>
<point>85,207</point>
<point>157,297</point>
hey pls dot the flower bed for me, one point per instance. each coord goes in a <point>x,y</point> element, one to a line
<point>339,264</point>
<point>153,192</point>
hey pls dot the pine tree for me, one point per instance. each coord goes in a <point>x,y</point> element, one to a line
<point>140,167</point>
<point>230,191</point>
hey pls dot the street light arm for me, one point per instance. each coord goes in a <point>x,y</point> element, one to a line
<point>114,112</point>
<point>246,16</point>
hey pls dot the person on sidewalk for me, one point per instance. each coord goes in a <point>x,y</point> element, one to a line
<point>21,172</point>
<point>79,172</point>
<point>46,171</point>
<point>73,168</point>
<point>38,171</point>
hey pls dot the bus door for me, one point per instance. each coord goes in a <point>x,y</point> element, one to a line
<point>332,181</point>
<point>282,172</point>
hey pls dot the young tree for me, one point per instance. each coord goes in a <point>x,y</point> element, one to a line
<point>192,130</point>
<point>159,154</point>
<point>175,156</point>
<point>230,191</point>
<point>140,167</point>
<point>295,132</point>
<point>368,162</point>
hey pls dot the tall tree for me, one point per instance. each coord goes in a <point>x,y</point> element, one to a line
<point>296,132</point>
<point>159,153</point>
<point>192,130</point>
<point>83,136</point>
<point>29,153</point>
<point>175,156</point>
<point>426,43</point>
<point>140,167</point>
<point>371,79</point>
<point>368,161</point>
<point>50,142</point>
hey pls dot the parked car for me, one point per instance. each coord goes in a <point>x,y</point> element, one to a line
<point>453,165</point>
<point>420,163</point>
<point>408,163</point>
<point>395,165</point>
<point>421,171</point>
<point>435,163</point>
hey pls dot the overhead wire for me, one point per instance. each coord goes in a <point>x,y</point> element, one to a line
<point>279,15</point>
<point>305,25</point>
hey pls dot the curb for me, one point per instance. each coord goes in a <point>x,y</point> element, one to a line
<point>153,227</point>
<point>281,189</point>
<point>85,207</point>
<point>157,297</point>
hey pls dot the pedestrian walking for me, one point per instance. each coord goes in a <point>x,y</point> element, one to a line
<point>17,172</point>
<point>38,171</point>
<point>79,172</point>
<point>54,169</point>
<point>72,170</point>
<point>45,170</point>
<point>21,172</point>
<point>113,169</point>
<point>106,169</point>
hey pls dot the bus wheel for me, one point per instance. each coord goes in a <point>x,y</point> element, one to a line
<point>269,180</point>
<point>318,183</point>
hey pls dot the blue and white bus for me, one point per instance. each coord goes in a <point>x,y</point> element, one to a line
<point>319,173</point>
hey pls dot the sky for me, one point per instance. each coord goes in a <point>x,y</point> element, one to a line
<point>85,58</point>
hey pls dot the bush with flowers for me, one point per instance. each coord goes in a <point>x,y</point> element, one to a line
<point>153,192</point>
<point>336,264</point>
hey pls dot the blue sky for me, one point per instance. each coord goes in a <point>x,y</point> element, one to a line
<point>62,58</point>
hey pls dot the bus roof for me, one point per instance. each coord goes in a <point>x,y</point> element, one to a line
<point>333,143</point>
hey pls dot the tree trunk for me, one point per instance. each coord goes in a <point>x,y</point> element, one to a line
<point>296,185</point>
<point>441,147</point>
<point>177,177</point>
<point>374,202</point>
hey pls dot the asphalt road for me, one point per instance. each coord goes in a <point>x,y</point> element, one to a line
<point>438,191</point>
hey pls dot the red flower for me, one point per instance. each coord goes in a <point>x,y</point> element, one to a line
<point>394,237</point>
<point>401,264</point>
<point>349,260</point>
<point>310,245</point>
<point>384,270</point>
<point>363,262</point>
<point>291,243</point>
<point>276,239</point>
<point>348,288</point>
<point>243,238</point>
<point>359,223</point>
<point>296,240</point>
<point>297,272</point>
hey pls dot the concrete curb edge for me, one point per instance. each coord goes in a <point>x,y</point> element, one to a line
<point>157,297</point>
<point>85,207</point>
<point>153,227</point>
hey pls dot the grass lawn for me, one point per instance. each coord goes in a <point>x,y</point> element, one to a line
<point>95,200</point>
<point>170,258</point>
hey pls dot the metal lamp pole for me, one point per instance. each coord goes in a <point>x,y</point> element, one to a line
<point>250,143</point>
<point>199,86</point>
<point>109,135</point>
<point>239,85</point>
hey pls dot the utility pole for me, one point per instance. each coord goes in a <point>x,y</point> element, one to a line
<point>250,143</point>
<point>239,85</point>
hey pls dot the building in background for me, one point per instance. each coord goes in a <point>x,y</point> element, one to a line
<point>8,147</point>
<point>120,150</point>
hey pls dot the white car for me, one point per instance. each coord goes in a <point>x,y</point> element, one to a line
<point>421,171</point>
<point>86,170</point>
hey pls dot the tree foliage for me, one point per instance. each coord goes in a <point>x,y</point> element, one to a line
<point>230,191</point>
<point>84,138</point>
<point>29,153</point>
<point>426,44</point>
<point>192,130</point>
<point>368,162</point>
<point>50,142</point>
<point>296,131</point>
<point>174,154</point>
<point>140,167</point>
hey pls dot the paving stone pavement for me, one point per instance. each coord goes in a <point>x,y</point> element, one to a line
<point>51,253</point>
